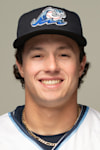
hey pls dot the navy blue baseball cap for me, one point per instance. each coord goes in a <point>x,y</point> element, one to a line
<point>49,20</point>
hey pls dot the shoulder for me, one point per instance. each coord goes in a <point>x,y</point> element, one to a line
<point>5,121</point>
<point>92,120</point>
<point>4,118</point>
<point>94,114</point>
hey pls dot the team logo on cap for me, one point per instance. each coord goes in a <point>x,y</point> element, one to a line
<point>50,16</point>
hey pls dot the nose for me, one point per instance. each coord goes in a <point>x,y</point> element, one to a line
<point>52,64</point>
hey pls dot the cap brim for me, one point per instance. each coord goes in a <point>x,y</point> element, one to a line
<point>81,41</point>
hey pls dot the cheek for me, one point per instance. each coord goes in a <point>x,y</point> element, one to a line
<point>71,68</point>
<point>72,75</point>
<point>31,69</point>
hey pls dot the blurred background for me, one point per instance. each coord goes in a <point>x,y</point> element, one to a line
<point>11,92</point>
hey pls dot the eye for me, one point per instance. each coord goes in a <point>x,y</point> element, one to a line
<point>65,55</point>
<point>36,56</point>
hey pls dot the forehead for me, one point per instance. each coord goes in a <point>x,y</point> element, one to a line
<point>50,38</point>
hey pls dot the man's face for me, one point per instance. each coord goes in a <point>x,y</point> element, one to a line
<point>51,69</point>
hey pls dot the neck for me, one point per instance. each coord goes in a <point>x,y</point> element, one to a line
<point>50,121</point>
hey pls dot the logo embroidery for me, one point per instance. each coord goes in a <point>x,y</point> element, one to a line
<point>50,16</point>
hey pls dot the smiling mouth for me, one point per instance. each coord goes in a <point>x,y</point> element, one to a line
<point>51,82</point>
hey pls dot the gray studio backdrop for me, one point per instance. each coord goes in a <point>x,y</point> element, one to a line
<point>11,93</point>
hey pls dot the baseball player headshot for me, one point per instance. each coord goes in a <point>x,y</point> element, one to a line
<point>51,64</point>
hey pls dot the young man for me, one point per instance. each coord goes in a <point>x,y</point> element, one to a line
<point>50,63</point>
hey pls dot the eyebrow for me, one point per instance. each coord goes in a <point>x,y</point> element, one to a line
<point>69,47</point>
<point>35,48</point>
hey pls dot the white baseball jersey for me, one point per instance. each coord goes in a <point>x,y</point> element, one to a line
<point>85,135</point>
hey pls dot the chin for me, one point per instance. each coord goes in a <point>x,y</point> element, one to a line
<point>52,102</point>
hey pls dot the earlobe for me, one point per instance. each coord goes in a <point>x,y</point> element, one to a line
<point>20,69</point>
<point>82,66</point>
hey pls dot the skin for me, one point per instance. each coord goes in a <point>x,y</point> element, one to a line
<point>51,70</point>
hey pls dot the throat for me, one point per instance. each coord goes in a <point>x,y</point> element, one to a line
<point>48,124</point>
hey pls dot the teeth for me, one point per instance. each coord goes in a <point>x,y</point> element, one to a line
<point>51,81</point>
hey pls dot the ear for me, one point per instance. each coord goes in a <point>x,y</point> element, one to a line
<point>20,68</point>
<point>82,66</point>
